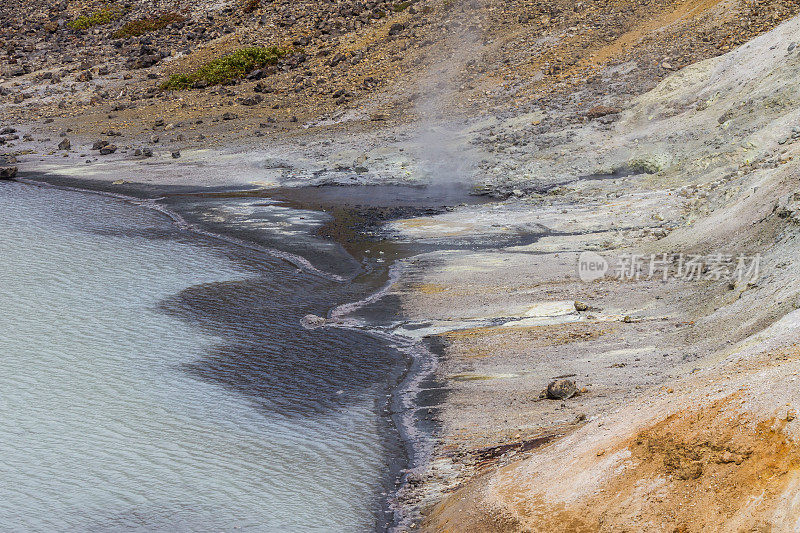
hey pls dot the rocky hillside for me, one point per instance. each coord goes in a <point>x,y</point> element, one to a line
<point>683,415</point>
<point>95,67</point>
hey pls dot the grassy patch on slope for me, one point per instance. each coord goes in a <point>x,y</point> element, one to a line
<point>227,68</point>
<point>97,18</point>
<point>134,28</point>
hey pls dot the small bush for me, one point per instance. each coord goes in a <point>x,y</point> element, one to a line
<point>227,68</point>
<point>402,6</point>
<point>104,16</point>
<point>134,28</point>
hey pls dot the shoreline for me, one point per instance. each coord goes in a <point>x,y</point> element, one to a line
<point>400,407</point>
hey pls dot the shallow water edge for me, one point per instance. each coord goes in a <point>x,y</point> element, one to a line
<point>338,263</point>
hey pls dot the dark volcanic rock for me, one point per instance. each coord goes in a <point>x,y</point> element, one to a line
<point>561,389</point>
<point>8,173</point>
<point>8,170</point>
<point>251,100</point>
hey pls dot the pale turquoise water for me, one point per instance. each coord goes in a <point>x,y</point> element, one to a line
<point>131,400</point>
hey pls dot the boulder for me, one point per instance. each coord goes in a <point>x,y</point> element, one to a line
<point>7,173</point>
<point>561,389</point>
<point>64,144</point>
<point>108,149</point>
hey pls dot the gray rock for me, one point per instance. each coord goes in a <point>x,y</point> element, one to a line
<point>580,306</point>
<point>251,100</point>
<point>7,173</point>
<point>108,149</point>
<point>561,389</point>
<point>64,144</point>
<point>176,154</point>
<point>312,321</point>
<point>99,144</point>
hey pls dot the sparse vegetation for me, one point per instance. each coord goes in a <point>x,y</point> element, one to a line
<point>227,68</point>
<point>402,6</point>
<point>134,28</point>
<point>97,18</point>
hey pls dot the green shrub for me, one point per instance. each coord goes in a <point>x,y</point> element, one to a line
<point>227,68</point>
<point>134,28</point>
<point>104,16</point>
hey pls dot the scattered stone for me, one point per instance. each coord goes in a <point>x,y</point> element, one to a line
<point>313,321</point>
<point>64,144</point>
<point>84,76</point>
<point>692,470</point>
<point>99,144</point>
<point>251,100</point>
<point>729,457</point>
<point>229,116</point>
<point>601,111</point>
<point>108,149</point>
<point>396,28</point>
<point>147,152</point>
<point>561,389</point>
<point>580,306</point>
<point>176,154</point>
